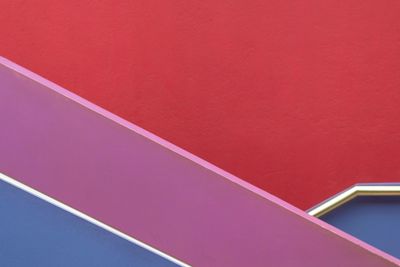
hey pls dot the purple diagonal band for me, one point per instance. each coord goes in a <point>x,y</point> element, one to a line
<point>92,160</point>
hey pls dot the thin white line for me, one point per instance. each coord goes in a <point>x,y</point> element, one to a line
<point>69,209</point>
<point>380,188</point>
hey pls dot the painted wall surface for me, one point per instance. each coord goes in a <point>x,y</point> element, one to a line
<point>35,233</point>
<point>373,219</point>
<point>289,95</point>
<point>134,181</point>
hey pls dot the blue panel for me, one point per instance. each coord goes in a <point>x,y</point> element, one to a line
<point>33,232</point>
<point>373,219</point>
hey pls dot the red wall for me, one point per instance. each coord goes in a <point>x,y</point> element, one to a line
<point>301,98</point>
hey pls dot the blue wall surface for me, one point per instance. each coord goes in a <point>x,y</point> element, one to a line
<point>373,219</point>
<point>34,232</point>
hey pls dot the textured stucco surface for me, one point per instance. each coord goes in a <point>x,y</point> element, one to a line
<point>300,98</point>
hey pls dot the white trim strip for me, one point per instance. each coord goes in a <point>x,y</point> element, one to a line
<point>85,217</point>
<point>357,190</point>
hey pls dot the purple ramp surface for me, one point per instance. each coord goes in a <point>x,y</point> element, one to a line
<point>118,173</point>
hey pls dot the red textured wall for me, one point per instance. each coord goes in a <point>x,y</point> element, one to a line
<point>301,98</point>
